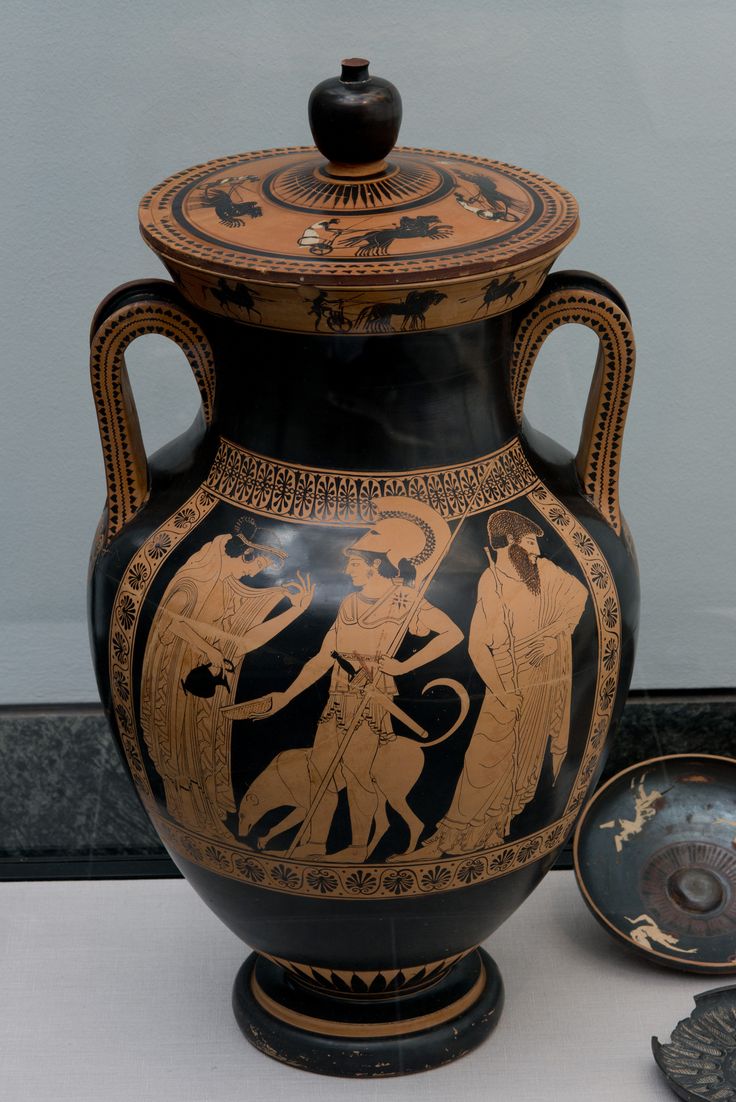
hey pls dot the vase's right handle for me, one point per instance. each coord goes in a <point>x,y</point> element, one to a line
<point>584,299</point>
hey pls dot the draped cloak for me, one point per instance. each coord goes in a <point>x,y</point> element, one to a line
<point>504,759</point>
<point>187,736</point>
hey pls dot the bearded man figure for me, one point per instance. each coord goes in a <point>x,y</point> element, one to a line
<point>520,642</point>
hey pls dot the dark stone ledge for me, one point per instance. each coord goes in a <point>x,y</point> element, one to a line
<point>69,811</point>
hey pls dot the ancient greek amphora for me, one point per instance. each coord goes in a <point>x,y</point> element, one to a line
<point>361,632</point>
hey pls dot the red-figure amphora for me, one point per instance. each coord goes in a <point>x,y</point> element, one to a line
<point>361,633</point>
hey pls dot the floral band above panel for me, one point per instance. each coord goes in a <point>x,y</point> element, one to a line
<point>311,495</point>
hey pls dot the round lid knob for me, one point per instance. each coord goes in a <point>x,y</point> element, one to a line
<point>355,120</point>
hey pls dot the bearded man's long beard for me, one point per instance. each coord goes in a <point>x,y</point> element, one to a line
<point>526,567</point>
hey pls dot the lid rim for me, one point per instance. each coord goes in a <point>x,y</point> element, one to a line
<point>440,276</point>
<point>175,224</point>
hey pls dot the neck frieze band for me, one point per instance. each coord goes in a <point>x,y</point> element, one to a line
<point>321,496</point>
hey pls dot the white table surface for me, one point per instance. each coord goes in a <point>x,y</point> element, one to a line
<point>114,991</point>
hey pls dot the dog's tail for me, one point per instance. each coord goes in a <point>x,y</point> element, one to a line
<point>462,695</point>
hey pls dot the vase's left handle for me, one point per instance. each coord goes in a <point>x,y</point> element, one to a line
<point>150,306</point>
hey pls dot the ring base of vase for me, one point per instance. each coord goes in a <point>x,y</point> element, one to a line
<point>369,1037</point>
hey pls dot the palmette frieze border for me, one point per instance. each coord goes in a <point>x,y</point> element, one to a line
<point>415,877</point>
<point>608,620</point>
<point>365,881</point>
<point>129,600</point>
<point>326,497</point>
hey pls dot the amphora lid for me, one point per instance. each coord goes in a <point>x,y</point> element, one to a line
<point>357,235</point>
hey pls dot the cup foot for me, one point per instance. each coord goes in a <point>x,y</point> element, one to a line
<point>368,1037</point>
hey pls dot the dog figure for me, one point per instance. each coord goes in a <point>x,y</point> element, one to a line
<point>285,782</point>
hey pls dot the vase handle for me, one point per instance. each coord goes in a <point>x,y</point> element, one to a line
<point>135,309</point>
<point>584,299</point>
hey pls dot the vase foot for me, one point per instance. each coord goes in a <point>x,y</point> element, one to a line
<point>368,1037</point>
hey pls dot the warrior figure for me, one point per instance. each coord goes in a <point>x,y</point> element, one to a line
<point>386,565</point>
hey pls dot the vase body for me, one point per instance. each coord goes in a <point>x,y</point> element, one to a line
<point>306,432</point>
<point>361,633</point>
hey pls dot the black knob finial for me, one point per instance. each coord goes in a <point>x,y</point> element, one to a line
<point>355,119</point>
<point>354,70</point>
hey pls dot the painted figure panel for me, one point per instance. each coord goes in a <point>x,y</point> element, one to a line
<point>373,693</point>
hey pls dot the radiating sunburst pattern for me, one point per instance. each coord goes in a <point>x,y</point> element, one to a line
<point>715,862</point>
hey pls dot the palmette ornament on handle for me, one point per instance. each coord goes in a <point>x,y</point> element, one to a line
<point>362,633</point>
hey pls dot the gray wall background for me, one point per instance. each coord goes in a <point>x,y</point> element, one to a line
<point>628,104</point>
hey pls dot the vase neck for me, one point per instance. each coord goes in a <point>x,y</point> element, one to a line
<point>396,402</point>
